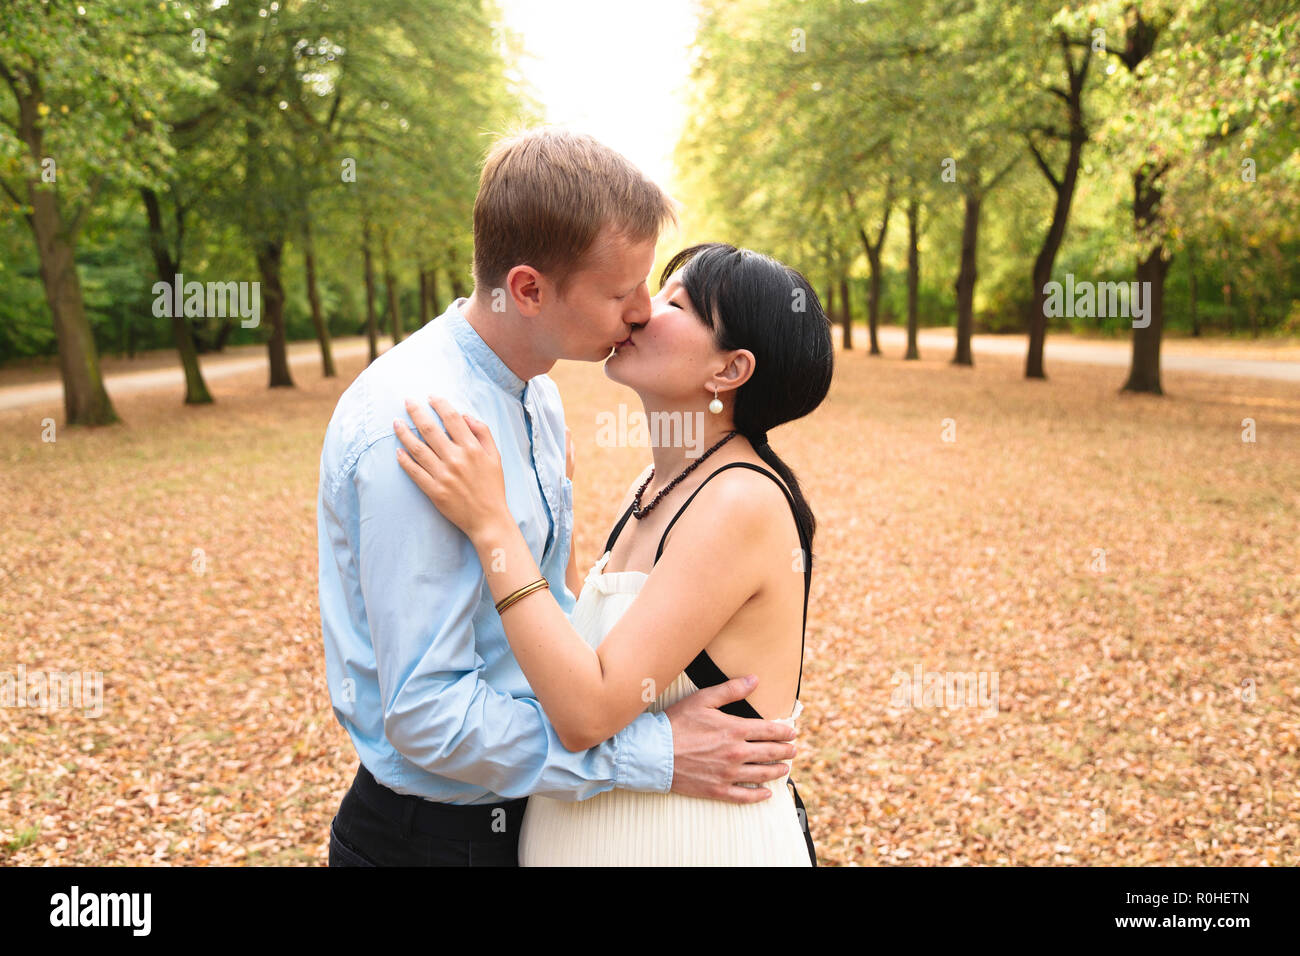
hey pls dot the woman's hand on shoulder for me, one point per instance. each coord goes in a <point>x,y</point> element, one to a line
<point>456,465</point>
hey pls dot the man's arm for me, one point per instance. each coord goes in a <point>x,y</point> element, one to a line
<point>713,750</point>
<point>711,747</point>
<point>421,584</point>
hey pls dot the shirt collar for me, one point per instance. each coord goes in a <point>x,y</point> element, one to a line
<point>472,344</point>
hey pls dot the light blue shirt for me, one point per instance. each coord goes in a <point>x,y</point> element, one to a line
<point>420,672</point>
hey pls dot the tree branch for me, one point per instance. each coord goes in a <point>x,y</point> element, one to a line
<point>12,195</point>
<point>992,184</point>
<point>8,77</point>
<point>334,108</point>
<point>884,223</point>
<point>1042,164</point>
<point>1051,131</point>
<point>75,223</point>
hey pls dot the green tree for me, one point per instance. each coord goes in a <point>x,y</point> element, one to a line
<point>1206,107</point>
<point>78,103</point>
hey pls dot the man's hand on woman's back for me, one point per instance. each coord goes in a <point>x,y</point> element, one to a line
<point>714,751</point>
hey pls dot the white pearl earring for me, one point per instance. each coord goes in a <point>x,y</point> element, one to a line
<point>715,406</point>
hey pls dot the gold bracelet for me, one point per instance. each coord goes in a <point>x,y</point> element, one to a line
<point>523,592</point>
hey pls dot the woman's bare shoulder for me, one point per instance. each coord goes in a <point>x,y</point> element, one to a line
<point>743,489</point>
<point>741,502</point>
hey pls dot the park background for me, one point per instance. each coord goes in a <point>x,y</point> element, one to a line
<point>1103,516</point>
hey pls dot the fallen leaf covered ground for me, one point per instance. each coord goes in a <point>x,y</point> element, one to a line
<point>1125,567</point>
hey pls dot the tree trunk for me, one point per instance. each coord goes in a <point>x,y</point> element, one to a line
<point>198,333</point>
<point>913,280</point>
<point>424,298</point>
<point>372,325</point>
<point>1038,314</point>
<point>434,299</point>
<point>223,333</point>
<point>966,280</point>
<point>434,305</point>
<point>873,303</point>
<point>1252,306</point>
<point>85,402</point>
<point>269,253</point>
<point>458,287</point>
<point>313,296</point>
<point>830,301</point>
<point>196,390</point>
<point>846,315</point>
<point>1064,188</point>
<point>394,317</point>
<point>873,252</point>
<point>1046,260</point>
<point>1144,372</point>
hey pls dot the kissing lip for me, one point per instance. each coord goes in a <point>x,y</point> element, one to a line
<point>626,341</point>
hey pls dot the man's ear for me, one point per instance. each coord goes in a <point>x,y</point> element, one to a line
<point>738,369</point>
<point>527,288</point>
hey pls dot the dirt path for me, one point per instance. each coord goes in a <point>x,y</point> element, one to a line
<point>24,386</point>
<point>160,370</point>
<point>1213,358</point>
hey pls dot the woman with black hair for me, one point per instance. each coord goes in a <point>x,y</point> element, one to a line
<point>705,574</point>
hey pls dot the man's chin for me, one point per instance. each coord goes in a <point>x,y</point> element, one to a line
<point>591,356</point>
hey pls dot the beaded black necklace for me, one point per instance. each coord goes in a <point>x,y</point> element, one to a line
<point>638,512</point>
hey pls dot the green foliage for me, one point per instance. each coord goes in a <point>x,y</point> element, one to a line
<point>239,117</point>
<point>807,121</point>
<point>797,105</point>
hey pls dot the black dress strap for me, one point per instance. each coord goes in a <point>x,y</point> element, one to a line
<point>702,671</point>
<point>613,535</point>
<point>703,665</point>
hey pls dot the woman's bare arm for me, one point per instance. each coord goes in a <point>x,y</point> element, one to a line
<point>714,563</point>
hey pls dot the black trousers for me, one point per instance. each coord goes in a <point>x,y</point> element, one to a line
<point>376,826</point>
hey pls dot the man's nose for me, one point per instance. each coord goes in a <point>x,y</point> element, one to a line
<point>639,313</point>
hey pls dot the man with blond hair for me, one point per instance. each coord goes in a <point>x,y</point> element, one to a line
<point>450,737</point>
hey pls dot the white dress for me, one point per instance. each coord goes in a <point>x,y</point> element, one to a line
<point>628,828</point>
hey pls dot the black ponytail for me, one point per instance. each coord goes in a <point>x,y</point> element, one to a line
<point>753,302</point>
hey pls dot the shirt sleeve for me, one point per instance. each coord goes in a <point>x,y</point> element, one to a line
<point>421,585</point>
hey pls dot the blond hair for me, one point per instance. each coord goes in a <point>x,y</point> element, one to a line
<point>545,195</point>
